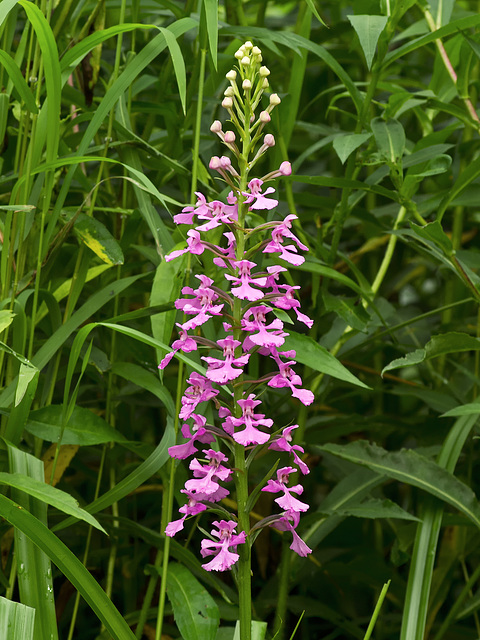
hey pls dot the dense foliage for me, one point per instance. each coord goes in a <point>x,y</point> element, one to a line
<point>105,116</point>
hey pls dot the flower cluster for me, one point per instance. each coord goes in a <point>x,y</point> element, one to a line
<point>245,298</point>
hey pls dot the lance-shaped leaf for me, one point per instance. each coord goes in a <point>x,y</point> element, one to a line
<point>368,29</point>
<point>390,138</point>
<point>196,613</point>
<point>451,342</point>
<point>412,468</point>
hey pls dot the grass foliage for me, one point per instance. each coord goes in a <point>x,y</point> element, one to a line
<point>105,109</point>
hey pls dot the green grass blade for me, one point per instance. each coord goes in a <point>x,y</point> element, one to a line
<point>70,566</point>
<point>132,70</point>
<point>5,7</point>
<point>211,21</point>
<point>34,572</point>
<point>143,472</point>
<point>36,488</point>
<point>19,82</point>
<point>178,65</point>
<point>51,65</point>
<point>16,620</point>
<point>51,346</point>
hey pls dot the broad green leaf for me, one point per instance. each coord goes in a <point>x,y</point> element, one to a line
<point>84,427</point>
<point>99,239</point>
<point>70,566</point>
<point>374,508</point>
<point>316,357</point>
<point>434,233</point>
<point>390,138</point>
<point>344,145</point>
<point>258,632</point>
<point>19,82</point>
<point>16,620</point>
<point>410,467</point>
<point>50,495</point>
<point>25,376</point>
<point>5,7</point>
<point>6,319</point>
<point>196,614</point>
<point>440,345</point>
<point>368,29</point>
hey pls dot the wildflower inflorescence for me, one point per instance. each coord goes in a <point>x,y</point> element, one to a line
<point>244,298</point>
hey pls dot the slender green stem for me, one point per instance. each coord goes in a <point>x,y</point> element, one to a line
<point>198,125</point>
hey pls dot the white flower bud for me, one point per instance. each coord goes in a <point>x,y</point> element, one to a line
<point>264,71</point>
<point>265,83</point>
<point>264,117</point>
<point>239,54</point>
<point>231,75</point>
<point>216,126</point>
<point>229,92</point>
<point>248,45</point>
<point>227,103</point>
<point>245,61</point>
<point>274,100</point>
<point>246,84</point>
<point>256,51</point>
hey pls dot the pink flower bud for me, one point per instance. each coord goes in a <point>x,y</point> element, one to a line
<point>225,162</point>
<point>285,168</point>
<point>269,140</point>
<point>264,117</point>
<point>229,137</point>
<point>215,163</point>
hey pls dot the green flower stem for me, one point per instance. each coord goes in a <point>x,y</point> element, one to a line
<point>167,510</point>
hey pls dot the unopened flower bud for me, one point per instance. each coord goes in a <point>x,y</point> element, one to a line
<point>229,92</point>
<point>245,61</point>
<point>239,54</point>
<point>215,163</point>
<point>247,45</point>
<point>229,137</point>
<point>256,51</point>
<point>227,103</point>
<point>264,117</point>
<point>264,71</point>
<point>231,75</point>
<point>274,100</point>
<point>285,168</point>
<point>265,83</point>
<point>225,162</point>
<point>216,126</point>
<point>269,140</point>
<point>246,84</point>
